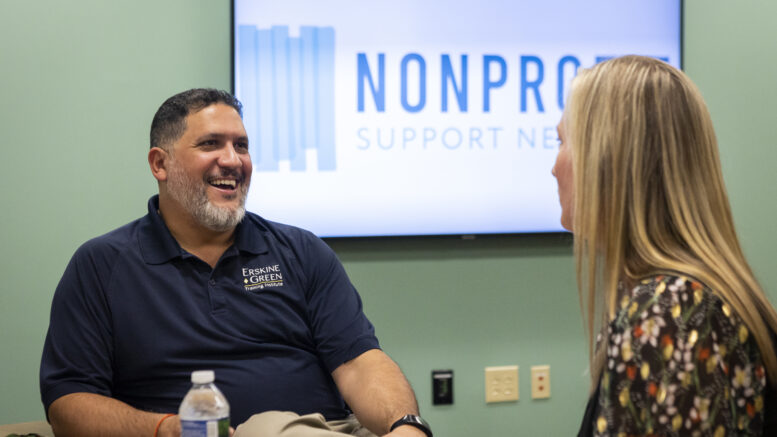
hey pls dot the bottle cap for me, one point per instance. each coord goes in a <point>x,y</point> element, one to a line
<point>203,376</point>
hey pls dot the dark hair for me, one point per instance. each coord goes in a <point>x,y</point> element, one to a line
<point>170,119</point>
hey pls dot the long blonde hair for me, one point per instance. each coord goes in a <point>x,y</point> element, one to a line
<point>650,197</point>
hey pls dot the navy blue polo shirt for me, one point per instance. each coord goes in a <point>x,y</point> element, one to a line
<point>134,314</point>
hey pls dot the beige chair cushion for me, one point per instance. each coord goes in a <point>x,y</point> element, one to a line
<point>40,428</point>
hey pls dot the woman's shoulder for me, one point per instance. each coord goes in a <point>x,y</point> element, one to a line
<point>673,309</point>
<point>676,296</point>
<point>674,312</point>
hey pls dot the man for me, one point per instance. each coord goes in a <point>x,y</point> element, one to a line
<point>198,283</point>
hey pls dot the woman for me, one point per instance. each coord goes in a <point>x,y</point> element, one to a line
<point>686,331</point>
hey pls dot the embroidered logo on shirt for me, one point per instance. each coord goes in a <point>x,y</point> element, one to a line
<point>258,278</point>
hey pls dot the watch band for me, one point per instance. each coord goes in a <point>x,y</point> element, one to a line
<point>415,421</point>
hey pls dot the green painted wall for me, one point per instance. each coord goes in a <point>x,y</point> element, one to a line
<point>81,80</point>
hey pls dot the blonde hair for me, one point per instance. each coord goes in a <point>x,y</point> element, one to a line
<point>650,197</point>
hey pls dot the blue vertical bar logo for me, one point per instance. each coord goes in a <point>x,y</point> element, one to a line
<point>287,88</point>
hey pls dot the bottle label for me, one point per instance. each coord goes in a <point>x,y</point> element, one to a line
<point>205,428</point>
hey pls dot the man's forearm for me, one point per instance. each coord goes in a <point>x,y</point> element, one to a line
<point>88,414</point>
<point>377,391</point>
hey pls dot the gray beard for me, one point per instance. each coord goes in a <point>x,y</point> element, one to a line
<point>193,196</point>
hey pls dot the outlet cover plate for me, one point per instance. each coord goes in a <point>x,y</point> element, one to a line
<point>540,382</point>
<point>501,384</point>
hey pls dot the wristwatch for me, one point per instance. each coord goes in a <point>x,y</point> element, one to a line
<point>415,421</point>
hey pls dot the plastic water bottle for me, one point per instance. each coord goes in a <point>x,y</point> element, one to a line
<point>204,411</point>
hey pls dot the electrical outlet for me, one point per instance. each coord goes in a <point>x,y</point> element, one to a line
<point>540,382</point>
<point>501,384</point>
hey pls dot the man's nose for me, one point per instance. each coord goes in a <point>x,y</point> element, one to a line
<point>229,157</point>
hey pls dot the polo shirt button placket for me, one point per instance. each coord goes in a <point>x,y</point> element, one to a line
<point>216,296</point>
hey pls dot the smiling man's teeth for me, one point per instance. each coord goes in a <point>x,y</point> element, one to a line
<point>228,182</point>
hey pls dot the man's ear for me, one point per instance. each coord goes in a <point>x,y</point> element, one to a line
<point>157,160</point>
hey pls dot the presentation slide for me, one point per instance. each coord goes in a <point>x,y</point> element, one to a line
<point>407,117</point>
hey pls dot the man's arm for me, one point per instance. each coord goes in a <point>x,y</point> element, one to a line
<point>88,414</point>
<point>377,391</point>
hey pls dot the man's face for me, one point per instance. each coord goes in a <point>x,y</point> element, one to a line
<point>209,171</point>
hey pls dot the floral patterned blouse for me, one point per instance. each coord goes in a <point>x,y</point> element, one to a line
<point>679,363</point>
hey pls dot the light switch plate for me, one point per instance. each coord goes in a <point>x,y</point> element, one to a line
<point>442,387</point>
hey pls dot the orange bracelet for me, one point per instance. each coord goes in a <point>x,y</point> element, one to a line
<point>159,424</point>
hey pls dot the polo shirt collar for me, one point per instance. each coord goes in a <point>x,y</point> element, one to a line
<point>158,246</point>
<point>250,236</point>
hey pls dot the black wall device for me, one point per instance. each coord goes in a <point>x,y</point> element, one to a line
<point>442,387</point>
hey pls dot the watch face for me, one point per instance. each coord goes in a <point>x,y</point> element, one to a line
<point>415,421</point>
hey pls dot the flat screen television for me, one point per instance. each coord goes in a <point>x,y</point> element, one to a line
<point>434,117</point>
